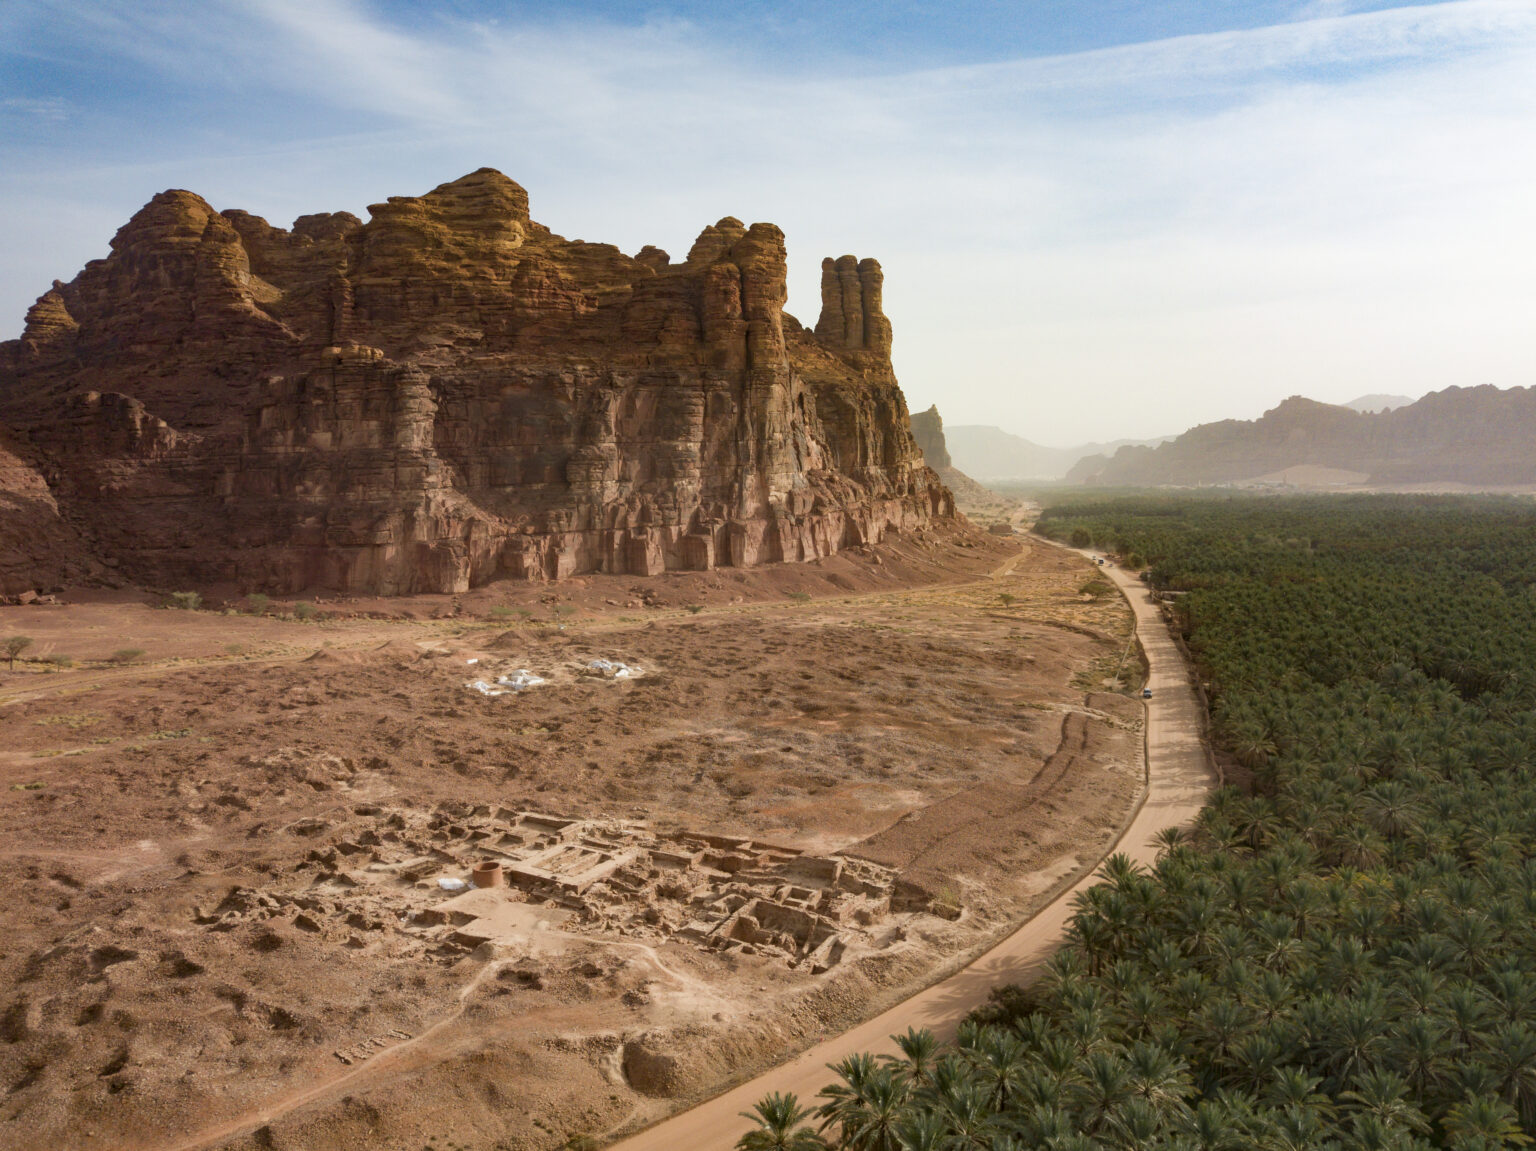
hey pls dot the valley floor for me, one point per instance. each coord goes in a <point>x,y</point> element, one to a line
<point>825,785</point>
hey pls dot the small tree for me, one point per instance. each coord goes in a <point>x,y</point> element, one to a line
<point>258,603</point>
<point>1080,538</point>
<point>185,600</point>
<point>125,655</point>
<point>14,645</point>
<point>304,610</point>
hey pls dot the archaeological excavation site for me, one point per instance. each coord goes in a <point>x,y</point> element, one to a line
<point>484,689</point>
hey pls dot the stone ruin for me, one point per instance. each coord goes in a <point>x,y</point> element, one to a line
<point>595,878</point>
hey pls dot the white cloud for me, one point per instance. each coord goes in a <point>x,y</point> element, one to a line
<point>1108,243</point>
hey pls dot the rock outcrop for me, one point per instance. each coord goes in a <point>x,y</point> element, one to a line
<point>39,550</point>
<point>450,393</point>
<point>1478,437</point>
<point>928,431</point>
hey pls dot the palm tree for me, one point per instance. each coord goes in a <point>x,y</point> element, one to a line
<point>1001,1065</point>
<point>1512,1056</point>
<point>1418,1051</point>
<point>923,1130</point>
<point>871,1124</point>
<point>845,1100</point>
<point>1384,1096</point>
<point>1211,1127</point>
<point>918,1051</point>
<point>1483,1123</point>
<point>1105,1089</point>
<point>780,1126</point>
<point>1161,1080</point>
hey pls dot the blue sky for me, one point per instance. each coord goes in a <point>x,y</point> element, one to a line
<point>1097,219</point>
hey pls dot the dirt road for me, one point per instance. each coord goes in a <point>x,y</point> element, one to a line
<point>1179,776</point>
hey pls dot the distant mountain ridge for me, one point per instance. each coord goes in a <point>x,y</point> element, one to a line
<point>991,454</point>
<point>1478,437</point>
<point>1379,402</point>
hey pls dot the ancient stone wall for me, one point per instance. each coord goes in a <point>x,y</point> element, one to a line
<point>449,394</point>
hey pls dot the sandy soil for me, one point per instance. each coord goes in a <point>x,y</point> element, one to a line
<point>826,784</point>
<point>1180,773</point>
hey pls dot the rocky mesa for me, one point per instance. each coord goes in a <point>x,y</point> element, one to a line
<point>450,393</point>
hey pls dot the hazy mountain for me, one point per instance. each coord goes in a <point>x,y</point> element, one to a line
<point>991,454</point>
<point>1477,437</point>
<point>1379,402</point>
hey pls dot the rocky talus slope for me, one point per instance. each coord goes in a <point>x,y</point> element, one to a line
<point>449,394</point>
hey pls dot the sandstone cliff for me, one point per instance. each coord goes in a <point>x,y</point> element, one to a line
<point>1478,437</point>
<point>450,393</point>
<point>928,431</point>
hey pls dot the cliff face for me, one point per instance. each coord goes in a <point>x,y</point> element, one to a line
<point>1476,436</point>
<point>450,393</point>
<point>928,431</point>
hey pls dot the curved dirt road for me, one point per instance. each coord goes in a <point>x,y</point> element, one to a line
<point>1179,774</point>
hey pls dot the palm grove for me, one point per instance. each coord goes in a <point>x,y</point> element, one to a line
<point>1342,953</point>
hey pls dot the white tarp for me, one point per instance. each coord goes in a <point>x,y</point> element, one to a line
<point>507,684</point>
<point>612,669</point>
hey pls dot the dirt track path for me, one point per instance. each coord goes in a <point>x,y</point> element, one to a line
<point>1179,776</point>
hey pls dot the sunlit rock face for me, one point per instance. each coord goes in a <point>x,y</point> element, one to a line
<point>449,393</point>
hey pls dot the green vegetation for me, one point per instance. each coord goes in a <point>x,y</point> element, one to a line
<point>257,603</point>
<point>125,655</point>
<point>304,610</point>
<point>13,645</point>
<point>1342,954</point>
<point>184,600</point>
<point>1096,588</point>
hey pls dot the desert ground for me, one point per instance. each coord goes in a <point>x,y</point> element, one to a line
<point>793,796</point>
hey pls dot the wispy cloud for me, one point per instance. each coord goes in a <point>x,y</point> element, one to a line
<point>1200,224</point>
<point>49,108</point>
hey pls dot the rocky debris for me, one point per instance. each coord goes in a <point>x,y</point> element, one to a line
<point>449,393</point>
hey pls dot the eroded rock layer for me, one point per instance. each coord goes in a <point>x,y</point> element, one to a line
<point>450,393</point>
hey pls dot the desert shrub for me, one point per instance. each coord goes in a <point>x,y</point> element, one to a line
<point>695,608</point>
<point>257,603</point>
<point>125,655</point>
<point>799,596</point>
<point>59,660</point>
<point>184,600</point>
<point>304,610</point>
<point>500,611</point>
<point>1098,587</point>
<point>14,645</point>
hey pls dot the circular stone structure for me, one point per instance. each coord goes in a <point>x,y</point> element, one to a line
<point>488,874</point>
